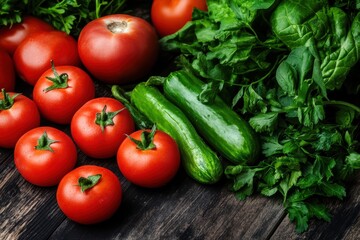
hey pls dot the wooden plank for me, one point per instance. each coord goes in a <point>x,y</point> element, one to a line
<point>182,210</point>
<point>21,202</point>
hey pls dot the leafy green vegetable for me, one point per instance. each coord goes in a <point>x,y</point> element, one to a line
<point>283,75</point>
<point>332,35</point>
<point>222,45</point>
<point>66,15</point>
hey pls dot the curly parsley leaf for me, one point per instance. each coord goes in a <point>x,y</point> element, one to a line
<point>66,15</point>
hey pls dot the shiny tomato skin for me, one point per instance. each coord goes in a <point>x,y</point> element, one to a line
<point>118,57</point>
<point>149,168</point>
<point>32,57</point>
<point>96,204</point>
<point>7,72</point>
<point>17,120</point>
<point>11,37</point>
<point>59,105</point>
<point>90,137</point>
<point>169,16</point>
<point>41,167</point>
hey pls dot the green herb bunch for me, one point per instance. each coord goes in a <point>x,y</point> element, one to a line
<point>288,68</point>
<point>66,15</point>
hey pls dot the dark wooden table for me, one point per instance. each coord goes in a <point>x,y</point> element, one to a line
<point>183,209</point>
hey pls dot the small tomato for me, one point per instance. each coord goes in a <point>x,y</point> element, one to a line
<point>89,194</point>
<point>169,16</point>
<point>11,37</point>
<point>100,125</point>
<point>149,158</point>
<point>18,114</point>
<point>60,92</point>
<point>118,48</point>
<point>32,57</point>
<point>44,155</point>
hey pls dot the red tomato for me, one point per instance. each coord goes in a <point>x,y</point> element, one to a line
<point>89,194</point>
<point>44,155</point>
<point>60,92</point>
<point>7,71</point>
<point>149,167</point>
<point>119,48</point>
<point>169,16</point>
<point>18,114</point>
<point>100,125</point>
<point>33,55</point>
<point>11,37</point>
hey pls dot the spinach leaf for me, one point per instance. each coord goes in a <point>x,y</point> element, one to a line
<point>332,35</point>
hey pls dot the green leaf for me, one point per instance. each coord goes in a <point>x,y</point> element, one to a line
<point>299,213</point>
<point>286,77</point>
<point>243,179</point>
<point>264,122</point>
<point>269,191</point>
<point>271,146</point>
<point>288,182</point>
<point>89,182</point>
<point>333,190</point>
<point>327,140</point>
<point>319,211</point>
<point>345,117</point>
<point>353,160</point>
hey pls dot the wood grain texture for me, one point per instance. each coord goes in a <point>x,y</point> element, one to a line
<point>183,209</point>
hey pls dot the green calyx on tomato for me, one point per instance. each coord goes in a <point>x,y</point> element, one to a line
<point>147,140</point>
<point>89,182</point>
<point>7,102</point>
<point>104,118</point>
<point>59,81</point>
<point>44,143</point>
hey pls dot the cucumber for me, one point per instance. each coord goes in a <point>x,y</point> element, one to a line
<point>198,159</point>
<point>221,127</point>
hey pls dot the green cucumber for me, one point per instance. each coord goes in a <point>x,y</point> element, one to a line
<point>222,128</point>
<point>198,159</point>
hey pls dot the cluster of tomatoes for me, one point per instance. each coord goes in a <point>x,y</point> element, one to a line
<point>114,49</point>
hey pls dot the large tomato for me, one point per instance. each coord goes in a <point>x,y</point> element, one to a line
<point>32,57</point>
<point>100,125</point>
<point>61,91</point>
<point>44,155</point>
<point>119,48</point>
<point>7,71</point>
<point>11,37</point>
<point>168,16</point>
<point>89,194</point>
<point>149,158</point>
<point>18,114</point>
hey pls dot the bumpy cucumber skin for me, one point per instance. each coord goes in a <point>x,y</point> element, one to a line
<point>199,160</point>
<point>216,122</point>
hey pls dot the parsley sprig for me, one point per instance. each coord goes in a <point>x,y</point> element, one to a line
<point>66,15</point>
<point>293,84</point>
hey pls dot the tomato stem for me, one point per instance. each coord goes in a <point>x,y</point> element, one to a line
<point>117,27</point>
<point>89,182</point>
<point>59,81</point>
<point>105,118</point>
<point>7,102</point>
<point>44,143</point>
<point>146,141</point>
